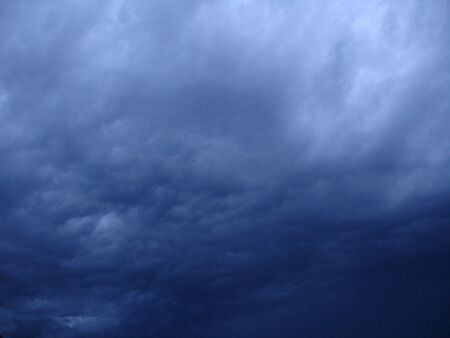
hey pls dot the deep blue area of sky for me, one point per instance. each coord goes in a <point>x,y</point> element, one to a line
<point>225,169</point>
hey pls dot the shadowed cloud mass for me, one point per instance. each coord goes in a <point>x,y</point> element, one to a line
<point>225,169</point>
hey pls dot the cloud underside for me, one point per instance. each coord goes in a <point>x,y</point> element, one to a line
<point>224,169</point>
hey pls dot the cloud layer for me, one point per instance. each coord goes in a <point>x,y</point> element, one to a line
<point>224,169</point>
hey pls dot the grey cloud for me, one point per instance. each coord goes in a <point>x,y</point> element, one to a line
<point>224,169</point>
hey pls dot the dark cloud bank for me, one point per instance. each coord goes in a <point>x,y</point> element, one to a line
<point>225,169</point>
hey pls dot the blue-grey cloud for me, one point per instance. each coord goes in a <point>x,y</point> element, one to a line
<point>224,169</point>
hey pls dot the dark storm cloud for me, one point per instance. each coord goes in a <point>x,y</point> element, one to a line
<point>224,169</point>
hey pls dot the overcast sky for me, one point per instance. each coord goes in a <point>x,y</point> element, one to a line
<point>225,169</point>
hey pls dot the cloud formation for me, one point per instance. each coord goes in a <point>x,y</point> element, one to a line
<point>224,169</point>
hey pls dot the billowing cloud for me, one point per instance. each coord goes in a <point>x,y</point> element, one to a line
<point>224,169</point>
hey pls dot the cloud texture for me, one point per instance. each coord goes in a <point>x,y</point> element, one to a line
<point>224,169</point>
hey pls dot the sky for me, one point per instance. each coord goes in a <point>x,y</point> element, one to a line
<point>225,169</point>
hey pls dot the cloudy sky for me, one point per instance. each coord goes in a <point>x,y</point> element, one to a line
<point>228,168</point>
